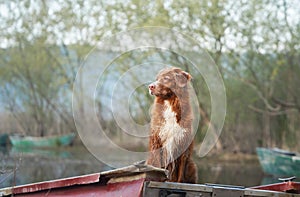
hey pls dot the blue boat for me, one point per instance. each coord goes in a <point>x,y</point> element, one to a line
<point>279,162</point>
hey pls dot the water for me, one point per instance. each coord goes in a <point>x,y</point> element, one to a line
<point>27,166</point>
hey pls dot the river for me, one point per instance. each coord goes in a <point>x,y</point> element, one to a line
<point>21,166</point>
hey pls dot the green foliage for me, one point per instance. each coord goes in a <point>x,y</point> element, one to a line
<point>254,43</point>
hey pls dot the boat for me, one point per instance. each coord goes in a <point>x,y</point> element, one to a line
<point>33,151</point>
<point>143,180</point>
<point>50,141</point>
<point>278,162</point>
<point>4,140</point>
<point>287,186</point>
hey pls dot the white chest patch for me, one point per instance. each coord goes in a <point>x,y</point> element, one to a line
<point>171,132</point>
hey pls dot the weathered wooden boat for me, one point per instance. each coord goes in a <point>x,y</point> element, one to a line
<point>279,162</point>
<point>142,180</point>
<point>50,141</point>
<point>4,140</point>
<point>40,152</point>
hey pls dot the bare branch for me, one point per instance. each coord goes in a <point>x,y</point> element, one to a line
<point>271,113</point>
<point>286,104</point>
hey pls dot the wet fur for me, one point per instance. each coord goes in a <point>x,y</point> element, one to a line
<point>171,143</point>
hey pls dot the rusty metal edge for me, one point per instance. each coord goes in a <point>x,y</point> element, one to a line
<point>57,183</point>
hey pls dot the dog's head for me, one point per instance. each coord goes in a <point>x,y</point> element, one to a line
<point>169,82</point>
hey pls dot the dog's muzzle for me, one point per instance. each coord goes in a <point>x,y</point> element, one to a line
<point>152,88</point>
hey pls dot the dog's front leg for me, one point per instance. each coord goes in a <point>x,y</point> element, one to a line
<point>154,158</point>
<point>181,168</point>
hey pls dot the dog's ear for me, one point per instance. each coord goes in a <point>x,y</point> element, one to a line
<point>182,78</point>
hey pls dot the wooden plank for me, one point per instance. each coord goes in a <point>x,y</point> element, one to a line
<point>134,169</point>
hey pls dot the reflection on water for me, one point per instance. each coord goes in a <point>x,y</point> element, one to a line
<point>23,166</point>
<point>35,165</point>
<point>230,173</point>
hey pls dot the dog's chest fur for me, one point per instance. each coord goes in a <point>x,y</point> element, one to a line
<point>171,132</point>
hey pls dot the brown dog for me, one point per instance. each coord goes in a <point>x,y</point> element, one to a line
<point>171,140</point>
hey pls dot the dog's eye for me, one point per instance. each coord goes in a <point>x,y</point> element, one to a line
<point>167,78</point>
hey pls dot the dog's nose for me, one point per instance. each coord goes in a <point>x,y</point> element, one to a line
<point>151,86</point>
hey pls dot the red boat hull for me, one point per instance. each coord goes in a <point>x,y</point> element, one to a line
<point>131,188</point>
<point>127,181</point>
<point>288,187</point>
